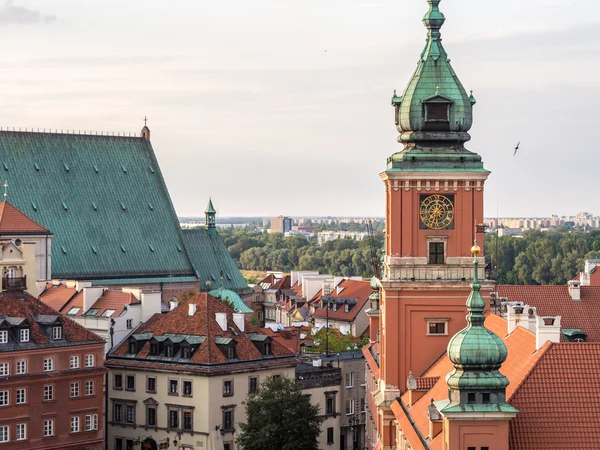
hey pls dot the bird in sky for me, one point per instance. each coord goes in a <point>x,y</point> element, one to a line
<point>517,148</point>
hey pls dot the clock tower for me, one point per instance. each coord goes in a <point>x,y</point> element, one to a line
<point>434,211</point>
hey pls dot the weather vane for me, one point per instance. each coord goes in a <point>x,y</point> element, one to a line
<point>145,121</point>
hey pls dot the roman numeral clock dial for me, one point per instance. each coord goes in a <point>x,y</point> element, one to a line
<point>437,212</point>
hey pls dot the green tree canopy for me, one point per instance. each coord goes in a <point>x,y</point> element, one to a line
<point>280,417</point>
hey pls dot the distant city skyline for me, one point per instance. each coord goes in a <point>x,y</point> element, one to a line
<point>273,107</point>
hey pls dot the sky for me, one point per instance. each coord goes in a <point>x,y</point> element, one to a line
<point>283,106</point>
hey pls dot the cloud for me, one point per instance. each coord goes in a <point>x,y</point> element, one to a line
<point>11,14</point>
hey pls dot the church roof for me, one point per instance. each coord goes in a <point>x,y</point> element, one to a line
<point>234,298</point>
<point>104,199</point>
<point>210,257</point>
<point>13,221</point>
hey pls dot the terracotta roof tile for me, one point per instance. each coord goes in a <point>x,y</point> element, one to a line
<point>556,301</point>
<point>27,307</point>
<point>352,289</point>
<point>13,221</point>
<point>56,297</point>
<point>522,356</point>
<point>203,323</point>
<point>558,401</point>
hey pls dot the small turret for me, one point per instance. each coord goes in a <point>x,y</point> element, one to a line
<point>210,214</point>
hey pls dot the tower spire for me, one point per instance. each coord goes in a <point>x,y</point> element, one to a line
<point>210,214</point>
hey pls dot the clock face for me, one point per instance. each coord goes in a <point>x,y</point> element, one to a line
<point>437,212</point>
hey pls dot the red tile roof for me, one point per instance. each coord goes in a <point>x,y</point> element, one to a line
<point>558,401</point>
<point>556,301</point>
<point>522,356</point>
<point>13,221</point>
<point>57,297</point>
<point>25,306</point>
<point>202,323</point>
<point>352,289</point>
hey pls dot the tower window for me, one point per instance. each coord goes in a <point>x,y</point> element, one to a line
<point>470,398</point>
<point>436,253</point>
<point>486,397</point>
<point>436,112</point>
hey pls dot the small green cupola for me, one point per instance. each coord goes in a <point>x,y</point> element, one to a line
<point>435,112</point>
<point>210,213</point>
<point>475,383</point>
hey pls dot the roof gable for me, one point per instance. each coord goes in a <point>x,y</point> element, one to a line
<point>13,221</point>
<point>103,197</point>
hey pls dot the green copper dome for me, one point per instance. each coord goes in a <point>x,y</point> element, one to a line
<point>475,351</point>
<point>434,113</point>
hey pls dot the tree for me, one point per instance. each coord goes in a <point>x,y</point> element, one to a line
<point>280,417</point>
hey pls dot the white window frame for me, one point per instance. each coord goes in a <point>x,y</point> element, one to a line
<point>21,429</point>
<point>443,320</point>
<point>89,387</point>
<point>89,360</point>
<point>4,434</point>
<point>24,335</point>
<point>4,398</point>
<point>91,422</point>
<point>74,362</point>
<point>129,324</point>
<point>48,392</point>
<point>23,392</point>
<point>75,424</point>
<point>346,307</point>
<point>3,336</point>
<point>351,385</point>
<point>57,333</point>
<point>75,389</point>
<point>350,411</point>
<point>48,427</point>
<point>49,365</point>
<point>21,367</point>
<point>4,369</point>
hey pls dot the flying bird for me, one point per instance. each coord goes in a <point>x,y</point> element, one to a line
<point>516,148</point>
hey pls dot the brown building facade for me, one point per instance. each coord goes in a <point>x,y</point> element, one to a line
<point>52,372</point>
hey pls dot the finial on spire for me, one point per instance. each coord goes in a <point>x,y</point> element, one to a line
<point>5,185</point>
<point>475,250</point>
<point>437,90</point>
<point>145,121</point>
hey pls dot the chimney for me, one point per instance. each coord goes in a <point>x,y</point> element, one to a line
<point>547,329</point>
<point>191,309</point>
<point>516,317</point>
<point>238,319</point>
<point>90,295</point>
<point>221,319</point>
<point>575,290</point>
<point>435,420</point>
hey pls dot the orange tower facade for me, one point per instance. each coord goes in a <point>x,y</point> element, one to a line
<point>434,191</point>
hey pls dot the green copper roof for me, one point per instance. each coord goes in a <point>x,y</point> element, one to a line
<point>435,142</point>
<point>210,209</point>
<point>475,351</point>
<point>238,303</point>
<point>104,199</point>
<point>445,407</point>
<point>211,258</point>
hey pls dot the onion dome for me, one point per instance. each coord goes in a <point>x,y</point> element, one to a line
<point>477,355</point>
<point>435,112</point>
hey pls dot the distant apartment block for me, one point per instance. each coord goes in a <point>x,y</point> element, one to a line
<point>582,219</point>
<point>326,236</point>
<point>281,224</point>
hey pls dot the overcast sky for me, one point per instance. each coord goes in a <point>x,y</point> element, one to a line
<point>283,106</point>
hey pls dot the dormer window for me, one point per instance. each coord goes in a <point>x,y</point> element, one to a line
<point>169,350</point>
<point>24,334</point>
<point>132,348</point>
<point>57,333</point>
<point>153,348</point>
<point>268,348</point>
<point>436,113</point>
<point>186,352</point>
<point>231,353</point>
<point>346,308</point>
<point>3,336</point>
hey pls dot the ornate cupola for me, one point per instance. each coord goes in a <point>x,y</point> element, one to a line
<point>435,113</point>
<point>210,214</point>
<point>477,354</point>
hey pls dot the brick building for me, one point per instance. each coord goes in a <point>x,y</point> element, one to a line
<point>52,376</point>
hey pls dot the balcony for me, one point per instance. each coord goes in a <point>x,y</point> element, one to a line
<point>14,284</point>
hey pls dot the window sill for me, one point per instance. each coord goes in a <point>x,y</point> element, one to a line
<point>186,395</point>
<point>130,389</point>
<point>227,395</point>
<point>117,388</point>
<point>150,392</point>
<point>436,334</point>
<point>174,394</point>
